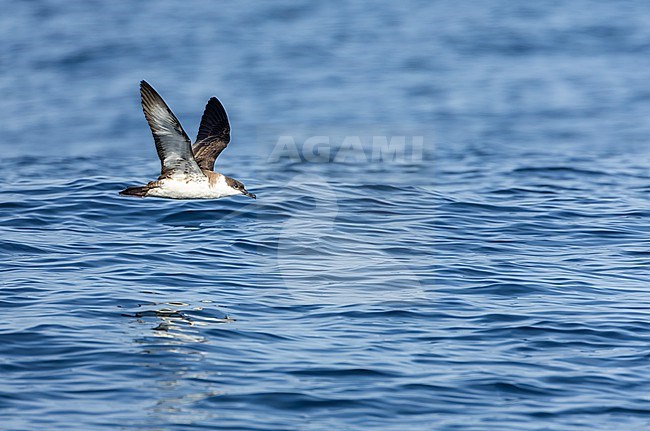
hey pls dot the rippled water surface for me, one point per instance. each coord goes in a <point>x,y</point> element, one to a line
<point>495,280</point>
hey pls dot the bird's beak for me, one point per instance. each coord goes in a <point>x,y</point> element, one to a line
<point>249,194</point>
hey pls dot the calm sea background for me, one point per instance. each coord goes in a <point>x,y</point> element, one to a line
<point>496,280</point>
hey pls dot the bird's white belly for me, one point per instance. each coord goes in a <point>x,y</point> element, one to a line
<point>181,189</point>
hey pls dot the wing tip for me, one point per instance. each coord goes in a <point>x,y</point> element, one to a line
<point>149,97</point>
<point>145,87</point>
<point>214,103</point>
<point>215,108</point>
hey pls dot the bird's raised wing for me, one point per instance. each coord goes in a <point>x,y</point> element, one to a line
<point>213,136</point>
<point>172,143</point>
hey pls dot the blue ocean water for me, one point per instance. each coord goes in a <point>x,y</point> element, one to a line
<point>496,279</point>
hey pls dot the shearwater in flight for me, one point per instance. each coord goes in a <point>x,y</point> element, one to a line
<point>187,170</point>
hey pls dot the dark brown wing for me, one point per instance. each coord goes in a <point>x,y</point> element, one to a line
<point>213,136</point>
<point>172,143</point>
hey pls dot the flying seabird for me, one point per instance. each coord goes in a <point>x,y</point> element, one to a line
<point>187,170</point>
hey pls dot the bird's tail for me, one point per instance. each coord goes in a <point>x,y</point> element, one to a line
<point>139,191</point>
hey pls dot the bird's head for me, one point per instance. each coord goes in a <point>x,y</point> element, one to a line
<point>238,187</point>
